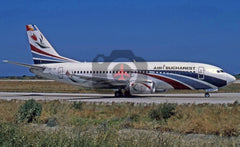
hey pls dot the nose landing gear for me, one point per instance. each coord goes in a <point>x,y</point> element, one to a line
<point>207,95</point>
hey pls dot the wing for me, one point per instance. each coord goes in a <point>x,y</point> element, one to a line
<point>106,81</point>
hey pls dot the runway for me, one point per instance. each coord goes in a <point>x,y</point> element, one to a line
<point>197,98</point>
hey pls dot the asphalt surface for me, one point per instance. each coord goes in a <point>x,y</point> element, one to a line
<point>237,81</point>
<point>197,98</point>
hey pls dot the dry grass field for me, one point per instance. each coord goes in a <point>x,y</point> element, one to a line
<point>117,124</point>
<point>125,124</point>
<point>42,86</point>
<point>52,86</point>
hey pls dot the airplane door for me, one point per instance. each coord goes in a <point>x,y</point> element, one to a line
<point>60,72</point>
<point>201,74</point>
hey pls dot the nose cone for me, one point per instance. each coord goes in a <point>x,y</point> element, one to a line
<point>230,78</point>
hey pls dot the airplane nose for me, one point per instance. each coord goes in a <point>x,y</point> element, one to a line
<point>230,78</point>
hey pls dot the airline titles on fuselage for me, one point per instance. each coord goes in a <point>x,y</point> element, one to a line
<point>185,68</point>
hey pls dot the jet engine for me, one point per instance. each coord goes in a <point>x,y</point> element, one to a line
<point>142,87</point>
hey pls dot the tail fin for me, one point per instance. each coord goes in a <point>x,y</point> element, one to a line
<point>41,49</point>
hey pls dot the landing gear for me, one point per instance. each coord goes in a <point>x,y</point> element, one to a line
<point>127,93</point>
<point>207,95</point>
<point>118,93</point>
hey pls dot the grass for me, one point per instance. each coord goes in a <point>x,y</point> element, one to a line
<point>121,124</point>
<point>116,124</point>
<point>52,86</point>
<point>43,86</point>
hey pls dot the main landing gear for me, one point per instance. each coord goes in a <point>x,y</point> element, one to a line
<point>119,93</point>
<point>127,93</point>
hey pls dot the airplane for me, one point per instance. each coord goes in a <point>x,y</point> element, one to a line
<point>126,78</point>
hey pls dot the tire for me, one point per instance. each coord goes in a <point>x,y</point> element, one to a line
<point>127,94</point>
<point>207,95</point>
<point>118,94</point>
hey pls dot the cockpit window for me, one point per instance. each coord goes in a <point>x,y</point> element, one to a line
<point>220,71</point>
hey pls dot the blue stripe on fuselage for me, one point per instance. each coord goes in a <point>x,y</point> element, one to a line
<point>193,83</point>
<point>212,80</point>
<point>44,62</point>
<point>44,57</point>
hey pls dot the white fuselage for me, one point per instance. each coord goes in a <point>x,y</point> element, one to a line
<point>164,75</point>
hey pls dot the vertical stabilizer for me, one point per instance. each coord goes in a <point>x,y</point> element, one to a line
<point>42,51</point>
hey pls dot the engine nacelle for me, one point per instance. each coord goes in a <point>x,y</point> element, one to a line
<point>142,87</point>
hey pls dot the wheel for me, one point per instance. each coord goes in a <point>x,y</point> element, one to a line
<point>127,93</point>
<point>207,95</point>
<point>118,94</point>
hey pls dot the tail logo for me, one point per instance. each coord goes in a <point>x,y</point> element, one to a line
<point>34,37</point>
<point>40,43</point>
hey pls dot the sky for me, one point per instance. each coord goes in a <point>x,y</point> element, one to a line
<point>205,31</point>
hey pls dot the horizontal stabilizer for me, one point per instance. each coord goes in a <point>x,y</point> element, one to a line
<point>25,65</point>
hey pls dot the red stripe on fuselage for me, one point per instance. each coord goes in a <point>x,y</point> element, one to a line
<point>45,53</point>
<point>147,86</point>
<point>174,84</point>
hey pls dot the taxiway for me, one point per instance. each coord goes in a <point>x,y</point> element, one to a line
<point>197,98</point>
